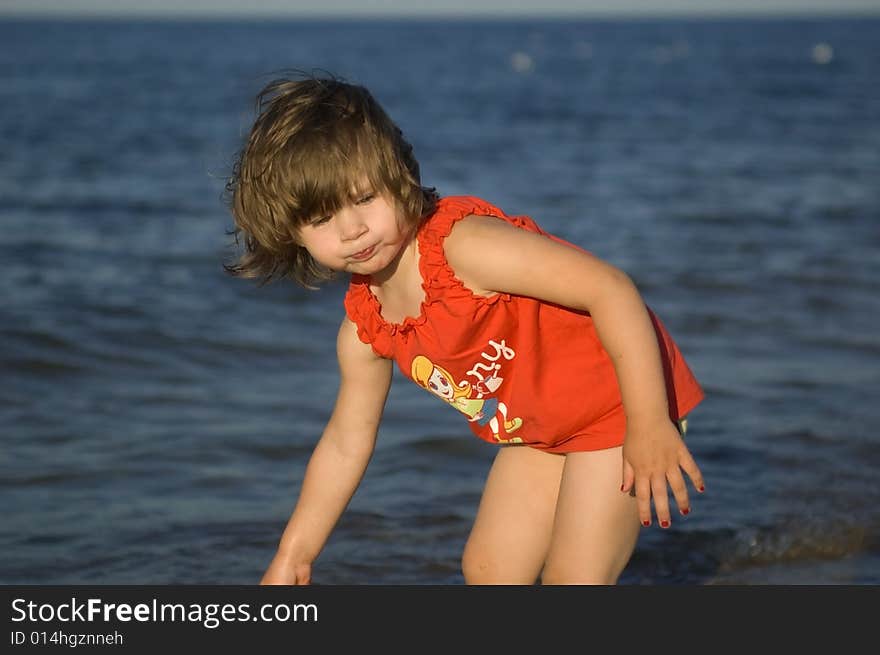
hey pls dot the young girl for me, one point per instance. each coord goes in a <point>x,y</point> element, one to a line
<point>546,350</point>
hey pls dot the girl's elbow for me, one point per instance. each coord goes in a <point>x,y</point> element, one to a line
<point>617,290</point>
<point>620,284</point>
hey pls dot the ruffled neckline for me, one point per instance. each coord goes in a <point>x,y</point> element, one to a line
<point>367,297</point>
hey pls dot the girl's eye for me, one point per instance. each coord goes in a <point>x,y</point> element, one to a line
<point>319,220</point>
<point>366,198</point>
<point>444,382</point>
<point>433,386</point>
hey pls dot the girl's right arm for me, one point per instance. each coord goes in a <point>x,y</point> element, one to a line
<point>339,459</point>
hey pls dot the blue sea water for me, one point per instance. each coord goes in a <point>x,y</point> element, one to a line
<point>156,414</point>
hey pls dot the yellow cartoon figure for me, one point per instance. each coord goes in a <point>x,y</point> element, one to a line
<point>440,382</point>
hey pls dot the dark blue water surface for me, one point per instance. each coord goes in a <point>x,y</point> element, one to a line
<point>156,414</point>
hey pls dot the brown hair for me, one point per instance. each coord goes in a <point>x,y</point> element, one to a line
<point>312,144</point>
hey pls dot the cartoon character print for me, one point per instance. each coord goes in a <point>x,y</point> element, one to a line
<point>467,398</point>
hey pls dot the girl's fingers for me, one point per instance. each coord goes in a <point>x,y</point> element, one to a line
<point>661,501</point>
<point>686,461</point>
<point>627,478</point>
<point>679,490</point>
<point>643,500</point>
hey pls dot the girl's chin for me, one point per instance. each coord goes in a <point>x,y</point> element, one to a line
<point>363,268</point>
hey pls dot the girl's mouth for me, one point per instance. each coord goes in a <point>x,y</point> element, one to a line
<point>364,254</point>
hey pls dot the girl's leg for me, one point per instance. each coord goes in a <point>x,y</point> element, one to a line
<point>511,533</point>
<point>596,526</point>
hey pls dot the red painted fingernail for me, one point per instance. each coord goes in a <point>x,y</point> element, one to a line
<point>702,488</point>
<point>664,524</point>
<point>646,523</point>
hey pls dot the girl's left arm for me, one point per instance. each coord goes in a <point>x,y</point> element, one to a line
<point>491,256</point>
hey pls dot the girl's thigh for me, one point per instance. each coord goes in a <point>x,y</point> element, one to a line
<point>511,534</point>
<point>596,525</point>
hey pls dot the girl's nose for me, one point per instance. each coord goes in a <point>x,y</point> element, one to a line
<point>351,224</point>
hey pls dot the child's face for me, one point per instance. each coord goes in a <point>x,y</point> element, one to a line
<point>363,237</point>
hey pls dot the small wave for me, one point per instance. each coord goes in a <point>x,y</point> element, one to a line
<point>799,552</point>
<point>273,451</point>
<point>830,274</point>
<point>697,283</point>
<point>817,554</point>
<point>101,206</point>
<point>53,367</point>
<point>715,218</point>
<point>47,479</point>
<point>48,539</point>
<point>805,438</point>
<point>757,555</point>
<point>794,543</point>
<point>839,344</point>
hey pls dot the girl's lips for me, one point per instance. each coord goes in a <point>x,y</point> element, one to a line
<point>366,253</point>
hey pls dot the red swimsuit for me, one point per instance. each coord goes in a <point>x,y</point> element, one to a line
<point>520,370</point>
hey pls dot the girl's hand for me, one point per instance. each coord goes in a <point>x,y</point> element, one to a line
<point>285,571</point>
<point>654,456</point>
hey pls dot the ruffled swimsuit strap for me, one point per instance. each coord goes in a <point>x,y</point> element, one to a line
<point>439,280</point>
<point>363,309</point>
